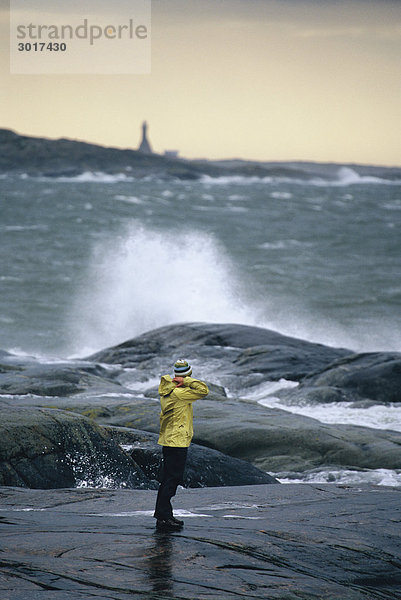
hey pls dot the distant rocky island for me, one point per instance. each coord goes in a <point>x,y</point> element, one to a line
<point>43,157</point>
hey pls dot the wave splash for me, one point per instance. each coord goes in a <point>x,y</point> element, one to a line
<point>146,279</point>
<point>347,176</point>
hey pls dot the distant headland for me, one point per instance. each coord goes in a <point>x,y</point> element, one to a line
<point>43,157</point>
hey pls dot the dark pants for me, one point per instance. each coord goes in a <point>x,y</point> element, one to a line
<point>174,460</point>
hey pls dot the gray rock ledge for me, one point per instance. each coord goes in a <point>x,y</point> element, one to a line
<point>274,542</point>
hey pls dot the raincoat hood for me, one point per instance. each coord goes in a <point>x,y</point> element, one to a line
<point>166,386</point>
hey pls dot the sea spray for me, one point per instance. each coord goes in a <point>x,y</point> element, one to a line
<point>141,278</point>
<point>318,262</point>
<point>144,279</point>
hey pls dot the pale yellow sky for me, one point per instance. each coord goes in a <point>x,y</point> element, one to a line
<point>256,79</point>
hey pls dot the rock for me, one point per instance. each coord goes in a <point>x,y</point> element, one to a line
<point>275,440</point>
<point>240,349</point>
<point>204,468</point>
<point>65,157</point>
<point>46,448</point>
<point>375,376</point>
<point>286,361</point>
<point>54,158</point>
<point>52,448</point>
<point>274,542</point>
<point>121,392</point>
<point>55,379</point>
<point>271,439</point>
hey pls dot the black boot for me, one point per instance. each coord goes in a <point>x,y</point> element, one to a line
<point>168,525</point>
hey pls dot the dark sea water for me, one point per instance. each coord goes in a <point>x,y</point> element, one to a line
<point>89,262</point>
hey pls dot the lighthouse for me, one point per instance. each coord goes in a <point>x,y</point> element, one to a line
<point>144,145</point>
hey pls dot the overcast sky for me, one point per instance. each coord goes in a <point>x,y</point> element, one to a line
<point>257,79</point>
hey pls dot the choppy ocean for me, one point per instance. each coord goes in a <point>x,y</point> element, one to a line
<point>91,261</point>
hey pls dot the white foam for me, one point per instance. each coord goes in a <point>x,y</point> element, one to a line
<point>384,477</point>
<point>284,245</point>
<point>147,513</point>
<point>6,320</point>
<point>229,506</point>
<point>144,279</point>
<point>22,509</point>
<point>261,393</point>
<point>395,205</point>
<point>111,395</point>
<point>347,176</point>
<point>378,416</point>
<point>129,447</point>
<point>235,197</point>
<point>207,208</point>
<point>132,513</point>
<point>233,179</point>
<point>10,278</point>
<point>186,513</point>
<point>238,209</point>
<point>281,195</point>
<point>18,228</point>
<point>94,177</point>
<point>241,517</point>
<point>142,385</point>
<point>128,199</point>
<point>99,482</point>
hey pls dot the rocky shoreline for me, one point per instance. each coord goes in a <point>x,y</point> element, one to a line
<point>43,157</point>
<point>61,422</point>
<point>71,429</point>
<point>274,542</point>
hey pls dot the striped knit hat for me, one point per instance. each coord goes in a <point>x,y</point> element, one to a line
<point>182,368</point>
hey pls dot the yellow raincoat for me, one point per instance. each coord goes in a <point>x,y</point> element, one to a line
<point>176,417</point>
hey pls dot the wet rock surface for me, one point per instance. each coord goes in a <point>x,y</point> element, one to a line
<point>264,542</point>
<point>117,387</point>
<point>95,422</point>
<point>239,350</point>
<point>47,448</point>
<point>275,440</point>
<point>204,468</point>
<point>271,439</point>
<point>19,377</point>
<point>373,376</point>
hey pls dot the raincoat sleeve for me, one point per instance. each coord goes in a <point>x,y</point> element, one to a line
<point>192,389</point>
